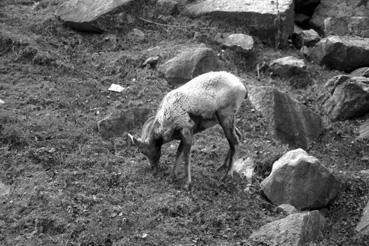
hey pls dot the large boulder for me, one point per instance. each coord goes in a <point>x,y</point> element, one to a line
<point>271,21</point>
<point>188,64</point>
<point>349,97</point>
<point>300,180</point>
<point>118,123</point>
<point>289,121</point>
<point>350,25</point>
<point>344,53</point>
<point>338,9</point>
<point>297,229</point>
<point>363,226</point>
<point>89,15</point>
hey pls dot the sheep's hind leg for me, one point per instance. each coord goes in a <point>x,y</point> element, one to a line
<point>227,123</point>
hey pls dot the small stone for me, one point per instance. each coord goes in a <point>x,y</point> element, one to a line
<point>288,66</point>
<point>151,61</point>
<point>137,34</point>
<point>239,42</point>
<point>287,208</point>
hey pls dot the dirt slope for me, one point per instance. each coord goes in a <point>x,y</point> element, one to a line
<point>68,186</point>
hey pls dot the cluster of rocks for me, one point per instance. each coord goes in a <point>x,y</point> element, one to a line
<point>298,182</point>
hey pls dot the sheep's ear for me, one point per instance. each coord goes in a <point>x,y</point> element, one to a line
<point>135,141</point>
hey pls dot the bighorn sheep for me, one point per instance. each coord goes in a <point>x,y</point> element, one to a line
<point>206,100</point>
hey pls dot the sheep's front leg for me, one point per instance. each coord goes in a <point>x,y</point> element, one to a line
<point>178,159</point>
<point>187,137</point>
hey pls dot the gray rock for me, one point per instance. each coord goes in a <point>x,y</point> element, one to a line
<point>349,97</point>
<point>363,71</point>
<point>87,15</point>
<point>344,53</point>
<point>297,229</point>
<point>356,25</point>
<point>307,38</point>
<point>300,180</point>
<point>259,17</point>
<point>167,7</point>
<point>238,42</point>
<point>287,209</point>
<point>288,66</point>
<point>363,226</point>
<point>289,121</point>
<point>118,123</point>
<point>338,9</point>
<point>188,64</point>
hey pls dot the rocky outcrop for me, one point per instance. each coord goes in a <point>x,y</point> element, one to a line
<point>188,64</point>
<point>289,121</point>
<point>338,9</point>
<point>118,123</point>
<point>363,226</point>
<point>349,97</point>
<point>344,53</point>
<point>271,21</point>
<point>297,229</point>
<point>300,180</point>
<point>89,15</point>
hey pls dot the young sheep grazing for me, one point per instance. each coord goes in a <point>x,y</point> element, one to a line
<point>206,100</point>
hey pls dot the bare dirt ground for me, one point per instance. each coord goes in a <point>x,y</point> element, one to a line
<point>69,186</point>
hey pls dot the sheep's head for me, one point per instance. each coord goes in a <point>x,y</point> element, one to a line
<point>151,149</point>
